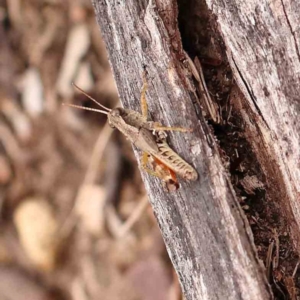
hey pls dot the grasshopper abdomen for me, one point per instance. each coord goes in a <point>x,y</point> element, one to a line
<point>172,160</point>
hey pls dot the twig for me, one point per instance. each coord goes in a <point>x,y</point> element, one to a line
<point>89,177</point>
<point>133,218</point>
<point>269,260</point>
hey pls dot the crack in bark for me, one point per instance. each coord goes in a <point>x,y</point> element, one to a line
<point>252,97</point>
<point>291,29</point>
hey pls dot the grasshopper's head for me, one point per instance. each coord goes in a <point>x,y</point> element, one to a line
<point>115,117</point>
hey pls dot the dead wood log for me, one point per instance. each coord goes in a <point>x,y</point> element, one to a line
<point>206,234</point>
<point>263,41</point>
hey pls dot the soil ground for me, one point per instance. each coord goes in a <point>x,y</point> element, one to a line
<point>75,220</point>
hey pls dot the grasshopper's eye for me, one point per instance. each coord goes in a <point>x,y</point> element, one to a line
<point>116,112</point>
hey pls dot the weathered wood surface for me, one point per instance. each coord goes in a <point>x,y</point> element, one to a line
<point>263,47</point>
<point>206,234</point>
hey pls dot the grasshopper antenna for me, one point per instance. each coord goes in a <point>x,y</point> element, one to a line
<point>94,100</point>
<point>86,108</point>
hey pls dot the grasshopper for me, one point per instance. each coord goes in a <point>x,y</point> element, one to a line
<point>148,137</point>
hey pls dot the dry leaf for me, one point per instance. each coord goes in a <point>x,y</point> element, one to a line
<point>90,208</point>
<point>37,230</point>
<point>77,46</point>
<point>32,92</point>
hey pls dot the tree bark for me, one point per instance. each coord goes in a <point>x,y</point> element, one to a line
<point>263,40</point>
<point>206,234</point>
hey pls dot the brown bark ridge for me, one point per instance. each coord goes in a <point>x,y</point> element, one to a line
<point>263,47</point>
<point>206,234</point>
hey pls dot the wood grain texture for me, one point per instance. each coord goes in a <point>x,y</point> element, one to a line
<point>263,42</point>
<point>206,234</point>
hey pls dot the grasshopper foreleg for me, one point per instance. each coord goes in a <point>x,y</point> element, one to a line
<point>144,107</point>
